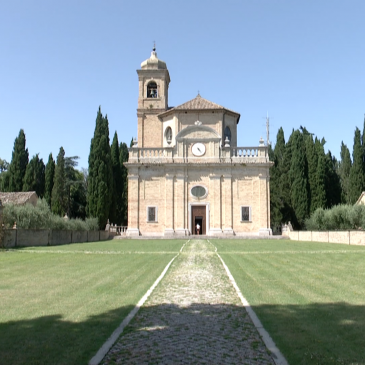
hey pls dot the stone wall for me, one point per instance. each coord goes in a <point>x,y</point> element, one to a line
<point>46,237</point>
<point>345,237</point>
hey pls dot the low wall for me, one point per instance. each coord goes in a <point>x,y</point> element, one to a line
<point>79,236</point>
<point>32,237</point>
<point>46,237</point>
<point>60,238</point>
<point>345,237</point>
<point>93,236</point>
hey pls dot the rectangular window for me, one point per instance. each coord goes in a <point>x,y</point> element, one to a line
<point>151,214</point>
<point>246,214</point>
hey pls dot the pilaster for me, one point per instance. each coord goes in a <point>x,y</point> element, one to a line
<point>216,210</point>
<point>169,204</point>
<point>133,204</point>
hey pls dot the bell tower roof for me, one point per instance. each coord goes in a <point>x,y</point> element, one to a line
<point>153,63</point>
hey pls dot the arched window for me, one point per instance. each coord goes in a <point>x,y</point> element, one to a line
<point>168,135</point>
<point>152,90</point>
<point>227,134</point>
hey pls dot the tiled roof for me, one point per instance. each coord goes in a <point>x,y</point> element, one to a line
<point>19,198</point>
<point>198,103</point>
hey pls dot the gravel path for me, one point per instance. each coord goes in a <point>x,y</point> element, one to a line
<point>194,316</point>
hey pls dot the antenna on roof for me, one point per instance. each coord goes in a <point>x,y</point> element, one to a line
<point>154,46</point>
<point>267,129</point>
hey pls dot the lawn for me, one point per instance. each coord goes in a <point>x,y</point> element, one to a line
<point>309,296</point>
<point>59,304</point>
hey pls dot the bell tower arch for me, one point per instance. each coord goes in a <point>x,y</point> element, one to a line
<point>154,80</point>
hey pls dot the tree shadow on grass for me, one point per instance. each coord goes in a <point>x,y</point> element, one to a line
<point>317,333</point>
<point>326,333</point>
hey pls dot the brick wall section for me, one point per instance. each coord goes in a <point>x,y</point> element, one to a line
<point>342,237</point>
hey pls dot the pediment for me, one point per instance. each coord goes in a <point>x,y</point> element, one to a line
<point>198,132</point>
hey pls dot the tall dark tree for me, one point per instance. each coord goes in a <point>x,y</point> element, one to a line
<point>34,179</point>
<point>71,179</point>
<point>278,199</point>
<point>50,171</point>
<point>115,214</point>
<point>332,181</point>
<point>100,180</point>
<point>312,158</point>
<point>77,205</point>
<point>59,192</point>
<point>123,157</point>
<point>344,172</point>
<point>18,164</point>
<point>357,169</point>
<point>299,180</point>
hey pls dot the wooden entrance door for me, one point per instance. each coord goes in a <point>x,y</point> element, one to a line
<point>199,216</point>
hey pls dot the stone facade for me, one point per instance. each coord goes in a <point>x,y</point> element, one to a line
<point>186,169</point>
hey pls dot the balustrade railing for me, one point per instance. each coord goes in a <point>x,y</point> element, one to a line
<point>152,152</point>
<point>244,152</point>
<point>158,155</point>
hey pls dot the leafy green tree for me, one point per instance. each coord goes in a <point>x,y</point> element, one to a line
<point>357,169</point>
<point>59,192</point>
<point>18,164</point>
<point>50,171</point>
<point>100,180</point>
<point>344,172</point>
<point>123,157</point>
<point>34,179</point>
<point>71,179</point>
<point>4,165</point>
<point>77,206</point>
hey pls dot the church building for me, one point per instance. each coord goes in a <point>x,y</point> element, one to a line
<point>186,175</point>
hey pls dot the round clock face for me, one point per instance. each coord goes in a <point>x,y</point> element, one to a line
<point>198,149</point>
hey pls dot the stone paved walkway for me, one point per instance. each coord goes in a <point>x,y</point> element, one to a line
<point>194,316</point>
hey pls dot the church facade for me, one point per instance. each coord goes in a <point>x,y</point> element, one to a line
<point>185,170</point>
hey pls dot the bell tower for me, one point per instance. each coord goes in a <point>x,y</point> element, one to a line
<point>154,80</point>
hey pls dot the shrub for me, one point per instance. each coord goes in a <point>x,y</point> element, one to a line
<point>40,217</point>
<point>340,217</point>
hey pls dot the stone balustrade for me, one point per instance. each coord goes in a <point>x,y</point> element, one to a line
<point>226,155</point>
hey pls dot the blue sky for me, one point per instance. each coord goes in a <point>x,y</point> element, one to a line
<point>303,61</point>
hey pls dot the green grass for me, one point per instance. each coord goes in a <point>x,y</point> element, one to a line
<point>60,304</point>
<point>309,296</point>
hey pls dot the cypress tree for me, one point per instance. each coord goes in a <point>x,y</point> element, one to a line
<point>320,200</point>
<point>59,194</point>
<point>18,164</point>
<point>34,179</point>
<point>115,214</point>
<point>277,198</point>
<point>332,181</point>
<point>357,169</point>
<point>313,176</point>
<point>50,171</point>
<point>100,183</point>
<point>123,157</point>
<point>299,180</point>
<point>344,172</point>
